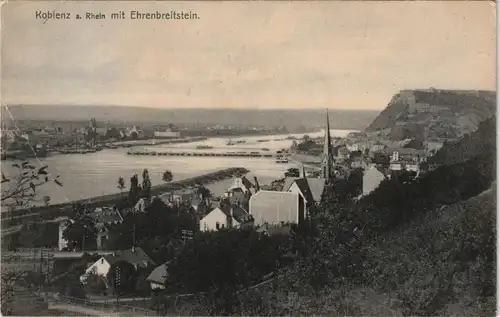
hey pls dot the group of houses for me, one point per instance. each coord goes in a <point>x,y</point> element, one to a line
<point>245,203</point>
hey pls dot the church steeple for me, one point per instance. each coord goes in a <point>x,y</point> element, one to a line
<point>327,160</point>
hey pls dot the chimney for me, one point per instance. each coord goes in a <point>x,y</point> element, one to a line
<point>256,183</point>
<point>230,217</point>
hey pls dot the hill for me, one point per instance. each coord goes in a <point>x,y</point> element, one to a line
<point>483,140</point>
<point>434,114</point>
<point>293,119</point>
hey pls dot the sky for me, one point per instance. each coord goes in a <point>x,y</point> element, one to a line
<point>345,55</point>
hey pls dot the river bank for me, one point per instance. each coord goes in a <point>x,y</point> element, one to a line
<point>63,209</point>
<point>96,174</point>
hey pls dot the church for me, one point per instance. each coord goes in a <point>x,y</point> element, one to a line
<point>312,188</point>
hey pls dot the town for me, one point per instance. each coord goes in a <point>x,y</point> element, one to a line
<point>143,248</point>
<point>264,158</point>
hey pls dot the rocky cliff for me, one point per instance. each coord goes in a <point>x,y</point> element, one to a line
<point>434,114</point>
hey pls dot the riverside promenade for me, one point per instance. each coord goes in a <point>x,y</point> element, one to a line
<point>13,218</point>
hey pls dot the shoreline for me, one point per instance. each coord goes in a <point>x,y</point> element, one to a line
<point>61,209</point>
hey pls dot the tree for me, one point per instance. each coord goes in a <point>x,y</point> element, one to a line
<point>9,281</point>
<point>204,192</point>
<point>121,184</point>
<point>167,176</point>
<point>135,190</point>
<point>223,262</point>
<point>20,190</point>
<point>81,233</point>
<point>292,172</point>
<point>74,288</point>
<point>146,184</point>
<point>95,283</point>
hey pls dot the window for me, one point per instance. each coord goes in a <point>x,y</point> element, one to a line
<point>102,261</point>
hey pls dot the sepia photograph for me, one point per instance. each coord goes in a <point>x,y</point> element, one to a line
<point>241,158</point>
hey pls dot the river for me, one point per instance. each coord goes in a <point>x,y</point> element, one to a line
<point>96,174</point>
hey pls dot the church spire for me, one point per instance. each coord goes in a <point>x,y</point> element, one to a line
<point>326,162</point>
<point>303,171</point>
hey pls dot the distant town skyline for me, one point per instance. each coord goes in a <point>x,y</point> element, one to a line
<point>338,55</point>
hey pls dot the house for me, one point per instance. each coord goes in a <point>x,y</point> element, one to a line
<point>273,207</point>
<point>140,206</point>
<point>200,204</point>
<point>178,197</point>
<point>227,215</point>
<point>352,147</point>
<point>372,177</point>
<point>158,277</point>
<point>396,166</point>
<point>412,167</point>
<point>357,161</point>
<point>405,154</point>
<point>377,147</point>
<point>243,184</point>
<point>103,218</point>
<point>135,256</point>
<point>343,153</point>
<point>316,186</point>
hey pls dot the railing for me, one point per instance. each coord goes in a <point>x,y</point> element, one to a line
<point>110,306</point>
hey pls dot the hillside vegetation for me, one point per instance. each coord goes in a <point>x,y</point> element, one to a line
<point>425,248</point>
<point>434,113</point>
<point>479,142</point>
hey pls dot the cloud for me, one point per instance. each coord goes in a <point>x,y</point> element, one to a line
<point>240,54</point>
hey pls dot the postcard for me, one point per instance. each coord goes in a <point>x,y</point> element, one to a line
<point>248,158</point>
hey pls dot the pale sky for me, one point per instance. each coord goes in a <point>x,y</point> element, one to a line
<point>351,55</point>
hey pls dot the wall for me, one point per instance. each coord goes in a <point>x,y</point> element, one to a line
<point>295,189</point>
<point>274,208</point>
<point>101,267</point>
<point>209,222</point>
<point>371,180</point>
<point>156,285</point>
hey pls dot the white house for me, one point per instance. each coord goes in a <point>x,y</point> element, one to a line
<point>372,178</point>
<point>135,256</point>
<point>100,267</point>
<point>225,216</point>
<point>395,156</point>
<point>242,183</point>
<point>395,166</point>
<point>273,207</point>
<point>412,167</point>
<point>315,185</point>
<point>352,147</point>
